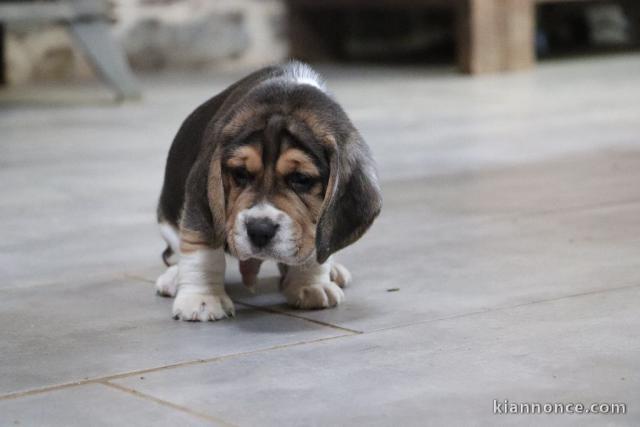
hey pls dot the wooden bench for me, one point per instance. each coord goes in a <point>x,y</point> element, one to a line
<point>492,35</point>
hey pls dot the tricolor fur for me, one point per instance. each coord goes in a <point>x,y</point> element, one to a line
<point>270,169</point>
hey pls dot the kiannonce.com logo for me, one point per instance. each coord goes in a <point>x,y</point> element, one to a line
<point>505,407</point>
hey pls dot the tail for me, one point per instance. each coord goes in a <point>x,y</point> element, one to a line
<point>166,255</point>
<point>170,235</point>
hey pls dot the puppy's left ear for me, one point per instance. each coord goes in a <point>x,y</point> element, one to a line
<point>216,197</point>
<point>352,200</point>
<point>204,205</point>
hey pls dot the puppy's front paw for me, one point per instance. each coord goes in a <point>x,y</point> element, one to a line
<point>167,283</point>
<point>340,275</point>
<point>197,307</point>
<point>319,295</point>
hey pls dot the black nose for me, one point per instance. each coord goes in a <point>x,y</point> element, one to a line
<point>261,231</point>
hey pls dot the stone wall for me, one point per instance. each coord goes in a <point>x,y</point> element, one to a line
<point>42,53</point>
<point>160,35</point>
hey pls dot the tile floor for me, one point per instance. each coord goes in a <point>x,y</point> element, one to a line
<point>510,237</point>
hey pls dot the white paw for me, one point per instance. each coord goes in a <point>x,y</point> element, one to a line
<point>202,307</point>
<point>167,283</point>
<point>319,295</point>
<point>340,275</point>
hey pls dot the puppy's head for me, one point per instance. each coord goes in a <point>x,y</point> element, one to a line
<point>291,178</point>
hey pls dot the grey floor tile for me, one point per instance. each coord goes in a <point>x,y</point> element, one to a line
<point>68,332</point>
<point>597,178</point>
<point>582,349</point>
<point>452,246</point>
<point>93,405</point>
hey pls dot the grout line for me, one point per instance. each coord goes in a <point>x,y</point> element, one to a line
<point>137,278</point>
<point>219,358</point>
<point>18,394</point>
<point>26,393</point>
<point>167,403</point>
<point>508,307</point>
<point>288,314</point>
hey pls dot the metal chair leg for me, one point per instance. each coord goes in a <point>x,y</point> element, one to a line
<point>107,58</point>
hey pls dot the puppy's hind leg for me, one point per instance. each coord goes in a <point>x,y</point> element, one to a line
<point>340,275</point>
<point>167,283</point>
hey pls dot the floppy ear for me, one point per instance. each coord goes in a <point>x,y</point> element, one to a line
<point>203,216</point>
<point>216,197</point>
<point>352,200</point>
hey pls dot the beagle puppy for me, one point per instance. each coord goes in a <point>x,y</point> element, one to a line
<point>269,169</point>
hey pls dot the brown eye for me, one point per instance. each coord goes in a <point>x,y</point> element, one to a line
<point>241,176</point>
<point>300,182</point>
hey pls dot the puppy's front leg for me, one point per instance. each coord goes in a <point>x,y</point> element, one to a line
<point>312,285</point>
<point>201,295</point>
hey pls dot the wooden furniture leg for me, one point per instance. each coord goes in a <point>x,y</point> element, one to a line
<point>495,35</point>
<point>3,64</point>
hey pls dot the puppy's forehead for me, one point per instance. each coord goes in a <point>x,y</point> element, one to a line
<point>276,135</point>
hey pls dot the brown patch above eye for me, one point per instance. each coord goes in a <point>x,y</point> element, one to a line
<point>295,160</point>
<point>321,131</point>
<point>247,156</point>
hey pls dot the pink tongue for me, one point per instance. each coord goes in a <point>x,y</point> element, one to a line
<point>249,270</point>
